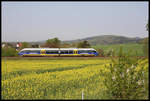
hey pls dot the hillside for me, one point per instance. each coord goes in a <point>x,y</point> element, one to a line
<point>107,39</point>
<point>99,40</point>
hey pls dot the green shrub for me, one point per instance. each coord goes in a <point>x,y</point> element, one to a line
<point>9,52</point>
<point>100,51</point>
<point>109,52</point>
<point>127,78</point>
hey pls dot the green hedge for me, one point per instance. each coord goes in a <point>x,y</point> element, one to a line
<point>9,52</point>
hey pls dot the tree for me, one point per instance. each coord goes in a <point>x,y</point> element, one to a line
<point>146,43</point>
<point>84,44</point>
<point>9,45</point>
<point>147,27</point>
<point>66,45</point>
<point>53,43</point>
<point>35,46</point>
<point>25,45</point>
<point>74,44</point>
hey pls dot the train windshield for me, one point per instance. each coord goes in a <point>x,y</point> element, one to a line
<point>24,51</point>
<point>30,51</point>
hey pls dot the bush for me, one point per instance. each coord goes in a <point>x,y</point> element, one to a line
<point>127,78</point>
<point>101,52</point>
<point>9,52</point>
<point>84,44</point>
<point>25,45</point>
<point>110,53</point>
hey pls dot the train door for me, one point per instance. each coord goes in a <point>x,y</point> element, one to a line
<point>75,52</point>
<point>43,52</point>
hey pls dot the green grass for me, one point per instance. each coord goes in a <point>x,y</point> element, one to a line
<point>133,49</point>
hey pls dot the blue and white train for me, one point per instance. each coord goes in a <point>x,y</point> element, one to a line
<point>58,52</point>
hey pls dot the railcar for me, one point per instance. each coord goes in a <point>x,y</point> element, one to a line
<point>58,52</point>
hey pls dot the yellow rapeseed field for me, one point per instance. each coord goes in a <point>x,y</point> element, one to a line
<point>53,79</point>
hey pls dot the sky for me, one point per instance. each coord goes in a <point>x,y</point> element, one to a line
<point>38,21</point>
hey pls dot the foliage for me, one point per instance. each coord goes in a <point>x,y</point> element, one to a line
<point>65,45</point>
<point>35,46</point>
<point>74,45</point>
<point>9,52</point>
<point>25,45</point>
<point>147,26</point>
<point>109,52</point>
<point>84,44</point>
<point>8,45</point>
<point>127,78</point>
<point>145,43</point>
<point>101,52</point>
<point>53,43</point>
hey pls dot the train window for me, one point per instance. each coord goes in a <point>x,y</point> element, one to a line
<point>94,51</point>
<point>70,51</point>
<point>22,51</point>
<point>64,51</point>
<point>52,51</point>
<point>25,51</point>
<point>80,51</point>
<point>83,51</point>
<point>91,51</point>
<point>88,51</point>
<point>55,52</point>
<point>34,51</point>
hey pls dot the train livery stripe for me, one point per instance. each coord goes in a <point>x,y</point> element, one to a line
<point>31,54</point>
<point>43,52</point>
<point>50,54</point>
<point>58,55</point>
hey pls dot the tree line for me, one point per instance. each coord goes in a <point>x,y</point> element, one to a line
<point>56,43</point>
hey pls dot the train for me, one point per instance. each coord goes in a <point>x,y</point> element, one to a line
<point>58,52</point>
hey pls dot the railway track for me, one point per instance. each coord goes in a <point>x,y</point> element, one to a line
<point>51,58</point>
<point>62,57</point>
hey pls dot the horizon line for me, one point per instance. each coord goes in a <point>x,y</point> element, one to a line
<point>78,38</point>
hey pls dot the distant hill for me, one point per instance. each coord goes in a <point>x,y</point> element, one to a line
<point>107,39</point>
<point>100,40</point>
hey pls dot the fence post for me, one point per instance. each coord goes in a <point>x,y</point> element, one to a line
<point>82,95</point>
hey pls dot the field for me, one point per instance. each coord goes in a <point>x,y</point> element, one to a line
<point>134,49</point>
<point>53,78</point>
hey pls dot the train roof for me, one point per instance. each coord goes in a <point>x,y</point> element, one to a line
<point>86,49</point>
<point>40,48</point>
<point>58,48</point>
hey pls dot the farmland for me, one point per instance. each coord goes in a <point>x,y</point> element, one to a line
<point>51,79</point>
<point>133,48</point>
<point>54,78</point>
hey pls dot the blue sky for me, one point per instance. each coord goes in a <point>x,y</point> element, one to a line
<point>36,21</point>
